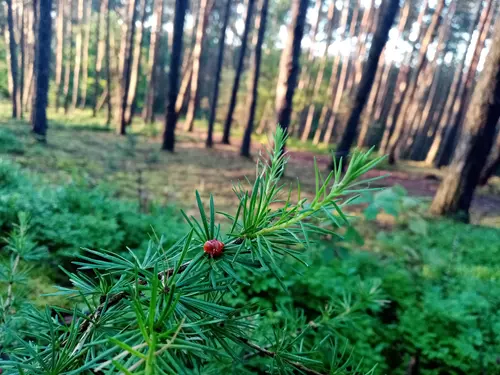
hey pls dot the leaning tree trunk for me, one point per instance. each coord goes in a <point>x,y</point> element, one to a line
<point>59,51</point>
<point>85,52</point>
<point>154,48</point>
<point>78,55</point>
<point>13,61</point>
<point>239,71</point>
<point>260,26</point>
<point>456,191</point>
<point>99,47</point>
<point>197,54</point>
<point>42,68</point>
<point>370,70</point>
<point>218,70</point>
<point>173,82</point>
<point>126,46</point>
<point>290,64</point>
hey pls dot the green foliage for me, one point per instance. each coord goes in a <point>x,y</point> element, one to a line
<point>163,310</point>
<point>9,142</point>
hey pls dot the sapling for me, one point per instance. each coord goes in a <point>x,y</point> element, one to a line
<point>164,312</point>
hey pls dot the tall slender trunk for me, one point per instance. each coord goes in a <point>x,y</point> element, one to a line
<point>197,55</point>
<point>78,54</point>
<point>29,58</point>
<point>22,46</point>
<point>108,61</point>
<point>59,51</point>
<point>430,79</point>
<point>126,68</point>
<point>99,47</point>
<point>260,25</point>
<point>341,83</point>
<point>378,44</point>
<point>333,79</point>
<point>173,82</point>
<point>399,89</point>
<point>238,73</point>
<point>290,64</point>
<point>365,27</point>
<point>183,96</point>
<point>454,195</point>
<point>154,47</point>
<point>465,91</point>
<point>135,72</point>
<point>42,68</point>
<point>321,72</point>
<point>13,61</point>
<point>85,53</point>
<point>69,57</point>
<point>400,117</point>
<point>218,70</point>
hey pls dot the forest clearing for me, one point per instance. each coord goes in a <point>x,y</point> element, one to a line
<point>250,187</point>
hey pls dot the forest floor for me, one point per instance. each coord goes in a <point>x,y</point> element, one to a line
<point>82,146</point>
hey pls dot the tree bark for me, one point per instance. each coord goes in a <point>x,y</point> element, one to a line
<point>69,57</point>
<point>148,113</point>
<point>195,78</point>
<point>85,53</point>
<point>370,70</point>
<point>399,116</point>
<point>238,73</point>
<point>99,47</point>
<point>290,64</point>
<point>454,195</point>
<point>492,164</point>
<point>78,55</point>
<point>127,46</point>
<point>321,72</point>
<point>173,82</point>
<point>42,68</point>
<point>260,26</point>
<point>220,59</point>
<point>59,51</point>
<point>135,71</point>
<point>13,61</point>
<point>22,45</point>
<point>108,61</point>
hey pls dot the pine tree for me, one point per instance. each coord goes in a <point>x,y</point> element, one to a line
<point>13,62</point>
<point>456,191</point>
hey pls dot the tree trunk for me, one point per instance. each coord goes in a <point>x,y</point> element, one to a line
<point>365,28</point>
<point>370,70</point>
<point>154,47</point>
<point>465,91</point>
<point>197,54</point>
<point>492,164</point>
<point>135,71</point>
<point>218,70</point>
<point>69,57</point>
<point>289,68</point>
<point>456,191</point>
<point>23,60</point>
<point>42,68</point>
<point>59,51</point>
<point>260,26</point>
<point>321,72</point>
<point>127,46</point>
<point>13,61</point>
<point>333,79</point>
<point>173,82</point>
<point>78,55</point>
<point>238,73</point>
<point>183,96</point>
<point>99,47</point>
<point>108,61</point>
<point>400,116</point>
<point>85,52</point>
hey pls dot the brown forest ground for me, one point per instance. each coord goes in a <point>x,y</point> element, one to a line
<point>84,149</point>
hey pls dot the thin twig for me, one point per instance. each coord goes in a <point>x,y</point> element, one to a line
<point>268,353</point>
